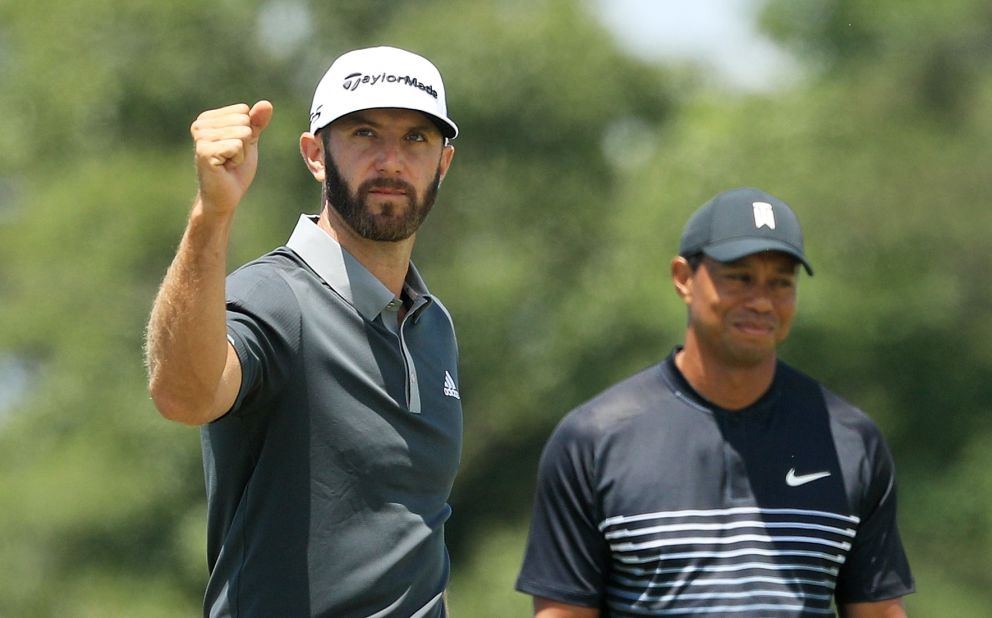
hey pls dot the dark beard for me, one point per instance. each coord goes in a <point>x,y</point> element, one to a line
<point>353,206</point>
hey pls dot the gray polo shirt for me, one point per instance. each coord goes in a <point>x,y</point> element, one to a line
<point>328,480</point>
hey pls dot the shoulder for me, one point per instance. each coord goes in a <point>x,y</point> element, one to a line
<point>269,271</point>
<point>614,409</point>
<point>269,289</point>
<point>270,280</point>
<point>434,316</point>
<point>437,308</point>
<point>848,421</point>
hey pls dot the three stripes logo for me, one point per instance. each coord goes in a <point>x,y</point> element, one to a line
<point>450,388</point>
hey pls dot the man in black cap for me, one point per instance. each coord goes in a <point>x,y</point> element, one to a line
<point>720,482</point>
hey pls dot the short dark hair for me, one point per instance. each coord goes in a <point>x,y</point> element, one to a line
<point>694,260</point>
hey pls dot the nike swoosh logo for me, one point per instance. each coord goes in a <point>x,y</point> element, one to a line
<point>795,480</point>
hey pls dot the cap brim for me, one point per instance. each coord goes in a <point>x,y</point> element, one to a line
<point>737,249</point>
<point>447,128</point>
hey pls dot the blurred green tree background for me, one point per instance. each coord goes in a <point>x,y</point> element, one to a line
<point>576,169</point>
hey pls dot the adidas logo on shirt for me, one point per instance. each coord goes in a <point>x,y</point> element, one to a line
<point>450,388</point>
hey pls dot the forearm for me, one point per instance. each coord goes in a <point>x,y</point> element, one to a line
<point>891,608</point>
<point>546,608</point>
<point>186,346</point>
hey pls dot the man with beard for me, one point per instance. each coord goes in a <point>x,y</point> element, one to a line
<point>323,374</point>
<point>721,481</point>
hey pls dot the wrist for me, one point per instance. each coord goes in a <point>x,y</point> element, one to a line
<point>210,211</point>
<point>208,229</point>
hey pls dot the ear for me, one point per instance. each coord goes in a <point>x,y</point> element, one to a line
<point>447,153</point>
<point>312,149</point>
<point>682,278</point>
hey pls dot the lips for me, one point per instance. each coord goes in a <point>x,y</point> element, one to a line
<point>388,187</point>
<point>755,327</point>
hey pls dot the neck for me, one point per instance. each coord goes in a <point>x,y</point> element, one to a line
<point>387,261</point>
<point>732,387</point>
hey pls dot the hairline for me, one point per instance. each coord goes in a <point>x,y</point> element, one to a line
<point>696,259</point>
<point>357,117</point>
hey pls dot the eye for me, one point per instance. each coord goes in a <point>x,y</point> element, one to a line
<point>364,132</point>
<point>416,136</point>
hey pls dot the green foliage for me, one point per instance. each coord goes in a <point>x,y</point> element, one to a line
<point>486,577</point>
<point>574,173</point>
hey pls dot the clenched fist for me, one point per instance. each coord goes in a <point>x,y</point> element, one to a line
<point>226,142</point>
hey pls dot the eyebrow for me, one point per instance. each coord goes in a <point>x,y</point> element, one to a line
<point>790,268</point>
<point>358,118</point>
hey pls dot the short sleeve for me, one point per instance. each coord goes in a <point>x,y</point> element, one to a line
<point>263,325</point>
<point>566,557</point>
<point>877,567</point>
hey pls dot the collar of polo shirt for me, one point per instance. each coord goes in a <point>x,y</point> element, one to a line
<point>345,274</point>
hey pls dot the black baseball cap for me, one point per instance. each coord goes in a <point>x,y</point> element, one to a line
<point>740,222</point>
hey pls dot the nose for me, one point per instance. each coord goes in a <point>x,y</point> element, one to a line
<point>389,159</point>
<point>759,298</point>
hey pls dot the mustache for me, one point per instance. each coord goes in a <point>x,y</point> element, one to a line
<point>756,320</point>
<point>386,183</point>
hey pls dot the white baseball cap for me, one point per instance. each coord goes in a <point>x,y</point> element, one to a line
<point>380,77</point>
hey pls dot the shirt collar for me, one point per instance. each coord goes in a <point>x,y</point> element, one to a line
<point>678,383</point>
<point>345,274</point>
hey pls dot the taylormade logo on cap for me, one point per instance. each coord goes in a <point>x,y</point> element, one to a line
<point>351,82</point>
<point>380,77</point>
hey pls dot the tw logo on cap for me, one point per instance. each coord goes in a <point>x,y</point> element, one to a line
<point>763,215</point>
